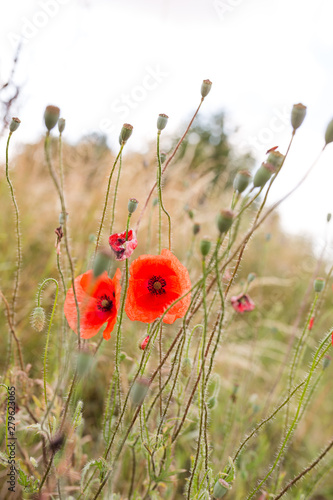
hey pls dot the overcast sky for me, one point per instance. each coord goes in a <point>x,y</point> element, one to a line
<point>106,62</point>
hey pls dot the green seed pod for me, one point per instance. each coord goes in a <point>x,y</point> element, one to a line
<point>276,159</point>
<point>205,87</point>
<point>196,229</point>
<point>221,487</point>
<point>139,391</point>
<point>251,277</point>
<point>242,180</point>
<point>326,362</point>
<point>38,318</point>
<point>329,133</point>
<point>125,132</point>
<point>186,367</point>
<point>14,124</point>
<point>297,115</point>
<point>163,156</point>
<point>51,116</point>
<point>211,403</point>
<point>61,125</point>
<point>318,285</point>
<point>101,262</point>
<point>162,121</point>
<point>225,220</point>
<point>263,174</point>
<point>205,247</point>
<point>328,218</point>
<point>132,205</point>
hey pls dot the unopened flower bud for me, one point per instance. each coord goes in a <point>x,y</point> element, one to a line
<point>211,403</point>
<point>276,159</point>
<point>163,156</point>
<point>101,262</point>
<point>126,132</point>
<point>251,277</point>
<point>205,87</point>
<point>38,318</point>
<point>51,116</point>
<point>132,205</point>
<point>329,133</point>
<point>162,121</point>
<point>225,220</point>
<point>242,180</point>
<point>205,247</point>
<point>139,391</point>
<point>297,115</point>
<point>326,361</point>
<point>155,202</point>
<point>196,229</point>
<point>61,125</point>
<point>319,284</point>
<point>328,217</point>
<point>263,174</point>
<point>143,344</point>
<point>221,487</point>
<point>186,367</point>
<point>14,124</point>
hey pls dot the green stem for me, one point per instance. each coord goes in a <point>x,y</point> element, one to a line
<point>18,236</point>
<point>159,188</point>
<point>107,197</point>
<point>115,193</point>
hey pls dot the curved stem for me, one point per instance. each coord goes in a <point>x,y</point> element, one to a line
<point>161,205</point>
<point>115,192</point>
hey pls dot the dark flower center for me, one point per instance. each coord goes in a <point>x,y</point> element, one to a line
<point>156,285</point>
<point>104,303</point>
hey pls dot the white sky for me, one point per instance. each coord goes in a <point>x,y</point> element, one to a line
<point>106,62</point>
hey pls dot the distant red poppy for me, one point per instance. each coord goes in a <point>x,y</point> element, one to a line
<point>311,323</point>
<point>98,303</point>
<point>121,247</point>
<point>155,282</point>
<point>242,303</point>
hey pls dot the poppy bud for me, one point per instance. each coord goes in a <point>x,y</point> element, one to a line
<point>205,87</point>
<point>162,121</point>
<point>242,180</point>
<point>51,116</point>
<point>143,344</point>
<point>132,205</point>
<point>38,318</point>
<point>14,125</point>
<point>263,174</point>
<point>139,391</point>
<point>297,115</point>
<point>319,284</point>
<point>125,132</point>
<point>326,362</point>
<point>61,125</point>
<point>328,218</point>
<point>276,159</point>
<point>101,262</point>
<point>62,218</point>
<point>186,367</point>
<point>211,403</point>
<point>221,487</point>
<point>163,156</point>
<point>251,277</point>
<point>205,247</point>
<point>155,202</point>
<point>196,229</point>
<point>224,220</point>
<point>329,133</point>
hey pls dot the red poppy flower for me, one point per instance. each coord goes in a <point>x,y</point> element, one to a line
<point>98,303</point>
<point>311,323</point>
<point>155,282</point>
<point>242,303</point>
<point>121,247</point>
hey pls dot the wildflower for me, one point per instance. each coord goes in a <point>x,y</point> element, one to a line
<point>144,343</point>
<point>310,326</point>
<point>242,303</point>
<point>155,282</point>
<point>98,303</point>
<point>121,247</point>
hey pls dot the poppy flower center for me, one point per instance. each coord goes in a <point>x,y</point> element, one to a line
<point>104,303</point>
<point>156,285</point>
